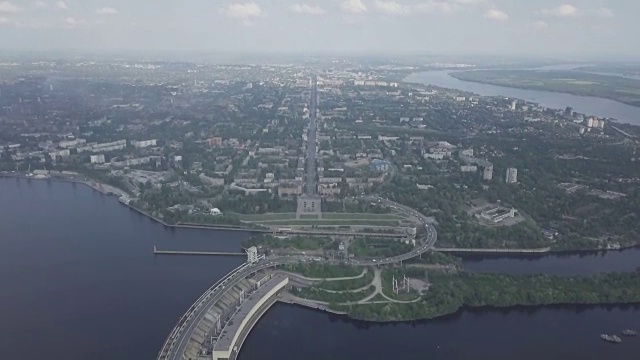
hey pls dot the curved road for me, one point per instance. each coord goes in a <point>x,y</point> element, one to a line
<point>177,341</point>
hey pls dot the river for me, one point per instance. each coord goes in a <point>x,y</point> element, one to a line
<point>583,104</point>
<point>79,281</point>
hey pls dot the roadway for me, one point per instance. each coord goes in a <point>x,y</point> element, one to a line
<point>185,328</point>
<point>176,343</point>
<point>311,186</point>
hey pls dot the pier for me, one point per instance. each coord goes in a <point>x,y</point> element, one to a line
<point>209,253</point>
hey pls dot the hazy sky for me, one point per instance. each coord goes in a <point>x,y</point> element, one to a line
<point>540,27</point>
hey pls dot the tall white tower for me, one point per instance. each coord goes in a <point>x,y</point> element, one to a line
<point>512,176</point>
<point>252,255</point>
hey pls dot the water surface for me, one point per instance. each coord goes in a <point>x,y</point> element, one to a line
<point>582,104</point>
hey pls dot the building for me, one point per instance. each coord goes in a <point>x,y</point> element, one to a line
<point>97,159</point>
<point>143,143</point>
<point>514,103</point>
<point>511,176</point>
<point>214,141</point>
<point>330,190</point>
<point>211,181</point>
<point>71,143</point>
<point>60,153</point>
<point>309,205</point>
<point>487,174</point>
<point>291,189</point>
<point>468,168</point>
<point>496,214</point>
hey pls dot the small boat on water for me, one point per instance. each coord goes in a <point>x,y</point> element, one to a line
<point>611,338</point>
<point>629,332</point>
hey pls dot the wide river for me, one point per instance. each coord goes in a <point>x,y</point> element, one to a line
<point>79,280</point>
<point>583,104</point>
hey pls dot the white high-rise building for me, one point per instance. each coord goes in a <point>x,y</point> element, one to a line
<point>512,176</point>
<point>513,105</point>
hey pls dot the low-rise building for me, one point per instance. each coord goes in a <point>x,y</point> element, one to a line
<point>144,143</point>
<point>97,159</point>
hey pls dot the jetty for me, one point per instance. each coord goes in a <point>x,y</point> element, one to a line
<point>204,253</point>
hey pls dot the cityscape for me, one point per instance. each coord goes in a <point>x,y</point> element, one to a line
<point>316,197</point>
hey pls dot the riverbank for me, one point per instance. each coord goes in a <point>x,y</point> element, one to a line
<point>123,197</point>
<point>567,82</point>
<point>451,292</point>
<point>590,105</point>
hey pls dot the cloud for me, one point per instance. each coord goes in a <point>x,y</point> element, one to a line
<point>243,12</point>
<point>107,11</point>
<point>72,22</point>
<point>494,14</point>
<point>602,12</point>
<point>9,8</point>
<point>4,20</point>
<point>40,5</point>
<point>392,8</point>
<point>353,7</point>
<point>539,25</point>
<point>562,11</point>
<point>445,6</point>
<point>61,5</point>
<point>307,9</point>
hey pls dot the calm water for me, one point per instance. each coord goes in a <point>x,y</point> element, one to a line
<point>551,333</point>
<point>583,104</point>
<point>557,264</point>
<point>78,278</point>
<point>79,281</point>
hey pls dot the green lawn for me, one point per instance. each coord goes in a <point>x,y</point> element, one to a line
<point>267,217</point>
<point>330,222</point>
<point>361,216</point>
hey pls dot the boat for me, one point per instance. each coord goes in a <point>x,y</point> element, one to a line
<point>611,338</point>
<point>629,332</point>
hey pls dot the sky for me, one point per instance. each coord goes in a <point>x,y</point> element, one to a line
<point>578,28</point>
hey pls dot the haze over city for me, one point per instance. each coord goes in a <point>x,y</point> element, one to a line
<point>319,179</point>
<point>590,28</point>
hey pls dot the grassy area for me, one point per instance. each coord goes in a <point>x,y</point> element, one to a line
<point>451,291</point>
<point>347,284</point>
<point>371,247</point>
<point>296,242</point>
<point>266,217</point>
<point>322,271</point>
<point>329,222</point>
<point>361,216</point>
<point>341,297</point>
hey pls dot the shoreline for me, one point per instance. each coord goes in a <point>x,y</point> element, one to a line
<point>471,309</point>
<point>502,253</point>
<point>620,116</point>
<point>524,87</point>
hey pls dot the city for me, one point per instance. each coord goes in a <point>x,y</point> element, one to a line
<point>345,179</point>
<point>332,171</point>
